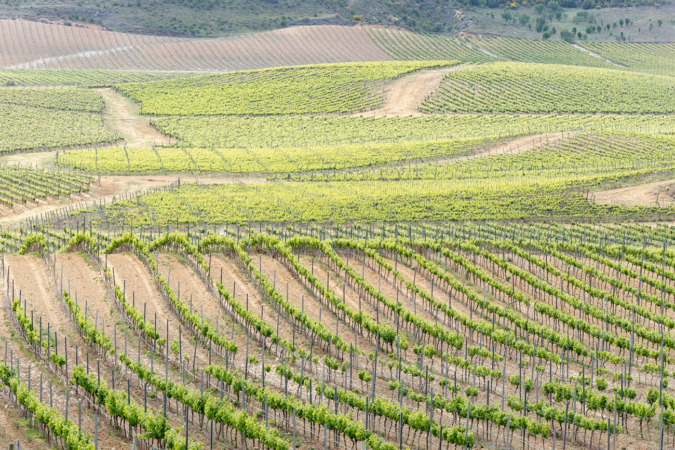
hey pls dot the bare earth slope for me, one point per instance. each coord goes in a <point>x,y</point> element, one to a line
<point>36,45</point>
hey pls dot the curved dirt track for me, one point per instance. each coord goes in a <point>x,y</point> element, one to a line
<point>124,116</point>
<point>404,95</point>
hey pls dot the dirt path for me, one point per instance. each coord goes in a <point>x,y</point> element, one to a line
<point>113,187</point>
<point>516,146</point>
<point>405,94</point>
<point>597,55</point>
<point>124,116</point>
<point>642,195</point>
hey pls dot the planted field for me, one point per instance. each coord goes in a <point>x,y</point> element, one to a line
<point>293,131</point>
<point>79,77</point>
<point>454,335</point>
<point>651,58</point>
<point>311,89</point>
<point>404,45</point>
<point>421,281</point>
<point>580,153</point>
<point>62,98</point>
<point>527,196</point>
<point>541,52</point>
<point>263,160</point>
<point>20,186</point>
<point>537,88</point>
<point>546,179</point>
<point>40,128</point>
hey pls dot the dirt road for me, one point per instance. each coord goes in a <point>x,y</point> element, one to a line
<point>124,116</point>
<point>405,94</point>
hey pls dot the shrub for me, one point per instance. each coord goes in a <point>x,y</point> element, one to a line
<point>601,383</point>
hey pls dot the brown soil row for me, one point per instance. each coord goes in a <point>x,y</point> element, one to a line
<point>52,46</point>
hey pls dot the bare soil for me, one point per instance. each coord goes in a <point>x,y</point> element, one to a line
<point>404,95</point>
<point>123,115</point>
<point>36,288</point>
<point>657,193</point>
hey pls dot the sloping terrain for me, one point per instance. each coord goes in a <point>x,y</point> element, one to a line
<point>36,45</point>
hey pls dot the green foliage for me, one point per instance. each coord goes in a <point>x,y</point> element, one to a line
<point>567,36</point>
<point>50,417</point>
<point>262,160</point>
<point>549,88</point>
<point>536,51</point>
<point>22,185</point>
<point>61,98</point>
<point>45,77</point>
<point>651,58</point>
<point>601,383</point>
<point>406,46</point>
<point>40,128</point>
<point>289,90</point>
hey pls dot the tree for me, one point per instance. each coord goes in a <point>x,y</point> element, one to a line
<point>608,26</point>
<point>590,29</point>
<point>567,36</point>
<point>621,22</point>
<point>539,8</point>
<point>598,28</point>
<point>524,19</point>
<point>660,22</point>
<point>579,34</point>
<point>506,15</point>
<point>553,5</point>
<point>627,22</point>
<point>539,25</point>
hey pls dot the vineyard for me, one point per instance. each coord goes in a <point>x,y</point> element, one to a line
<point>583,152</point>
<point>648,58</point>
<point>294,90</point>
<point>262,160</point>
<point>25,128</point>
<point>509,87</point>
<point>520,197</point>
<point>541,52</point>
<point>611,153</point>
<point>406,46</point>
<point>24,185</point>
<point>518,334</point>
<point>335,237</point>
<point>294,131</point>
<point>79,77</point>
<point>63,98</point>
